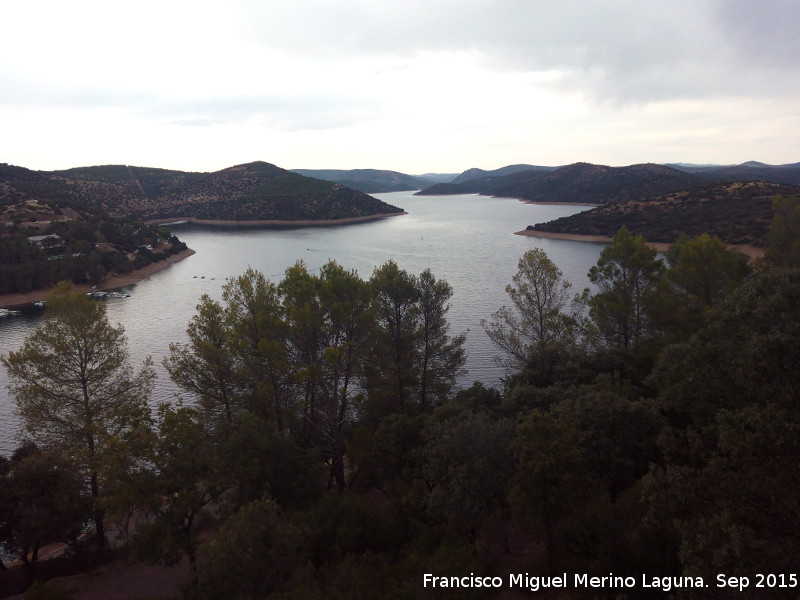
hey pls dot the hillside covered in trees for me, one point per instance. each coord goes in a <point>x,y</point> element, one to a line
<point>256,191</point>
<point>737,213</point>
<point>600,184</point>
<point>576,183</point>
<point>42,243</point>
<point>646,433</point>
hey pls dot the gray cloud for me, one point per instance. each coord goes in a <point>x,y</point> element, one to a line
<point>618,50</point>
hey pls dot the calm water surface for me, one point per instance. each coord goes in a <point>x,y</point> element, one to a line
<point>466,239</point>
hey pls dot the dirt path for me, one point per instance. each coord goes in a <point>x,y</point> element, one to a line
<point>124,580</point>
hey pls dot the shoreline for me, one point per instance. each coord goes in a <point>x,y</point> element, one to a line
<point>557,203</point>
<point>19,299</point>
<point>273,223</point>
<point>751,252</point>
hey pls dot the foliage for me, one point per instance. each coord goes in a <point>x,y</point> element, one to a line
<point>171,473</point>
<point>205,366</point>
<point>542,315</point>
<point>42,500</point>
<point>254,553</point>
<point>75,388</point>
<point>414,360</point>
<point>730,394</point>
<point>702,272</point>
<point>253,191</point>
<point>92,247</point>
<point>590,460</point>
<point>625,273</point>
<point>737,213</point>
<point>783,237</point>
<point>466,463</point>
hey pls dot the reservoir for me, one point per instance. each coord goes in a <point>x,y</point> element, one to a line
<point>467,240</point>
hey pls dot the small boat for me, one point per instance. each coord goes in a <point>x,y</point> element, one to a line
<point>40,303</point>
<point>5,312</point>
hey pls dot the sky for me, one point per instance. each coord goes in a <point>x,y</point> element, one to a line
<point>416,86</point>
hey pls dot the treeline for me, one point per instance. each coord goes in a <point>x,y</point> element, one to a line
<point>89,251</point>
<point>649,428</point>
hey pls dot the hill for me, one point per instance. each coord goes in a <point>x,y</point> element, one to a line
<point>369,181</point>
<point>472,174</point>
<point>736,212</point>
<point>42,243</point>
<point>748,171</point>
<point>579,183</point>
<point>255,191</point>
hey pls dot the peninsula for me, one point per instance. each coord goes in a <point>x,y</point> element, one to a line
<point>93,225</point>
<point>257,191</point>
<point>738,213</point>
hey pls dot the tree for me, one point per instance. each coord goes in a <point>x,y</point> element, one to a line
<point>551,481</point>
<point>302,313</point>
<point>206,366</point>
<point>42,500</point>
<point>702,272</point>
<point>542,313</point>
<point>441,356</point>
<point>783,237</point>
<point>343,300</point>
<point>259,340</point>
<point>467,463</point>
<point>624,274</point>
<point>171,472</point>
<point>329,324</point>
<point>731,394</point>
<point>252,555</point>
<point>75,388</point>
<point>392,370</point>
<point>414,360</point>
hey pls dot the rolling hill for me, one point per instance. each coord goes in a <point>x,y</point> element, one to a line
<point>255,191</point>
<point>370,181</point>
<point>579,183</point>
<point>748,171</point>
<point>736,212</point>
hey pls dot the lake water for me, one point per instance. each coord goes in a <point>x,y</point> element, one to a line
<point>466,239</point>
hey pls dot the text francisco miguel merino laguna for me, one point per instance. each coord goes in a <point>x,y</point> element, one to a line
<point>582,580</point>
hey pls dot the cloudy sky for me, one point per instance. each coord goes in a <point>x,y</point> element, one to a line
<point>410,85</point>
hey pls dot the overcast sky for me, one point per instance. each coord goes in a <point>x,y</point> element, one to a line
<point>409,85</point>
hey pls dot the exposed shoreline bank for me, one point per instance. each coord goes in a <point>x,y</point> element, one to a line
<point>24,298</point>
<point>274,223</point>
<point>557,203</point>
<point>751,252</point>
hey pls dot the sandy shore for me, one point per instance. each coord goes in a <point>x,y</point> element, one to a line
<point>23,298</point>
<point>305,223</point>
<point>751,252</point>
<point>558,203</point>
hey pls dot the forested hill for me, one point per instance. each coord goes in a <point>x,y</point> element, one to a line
<point>737,213</point>
<point>788,174</point>
<point>250,192</point>
<point>577,183</point>
<point>370,181</point>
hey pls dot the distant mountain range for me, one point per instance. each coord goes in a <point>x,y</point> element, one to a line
<point>598,184</point>
<point>257,191</point>
<point>519,180</point>
<point>748,171</point>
